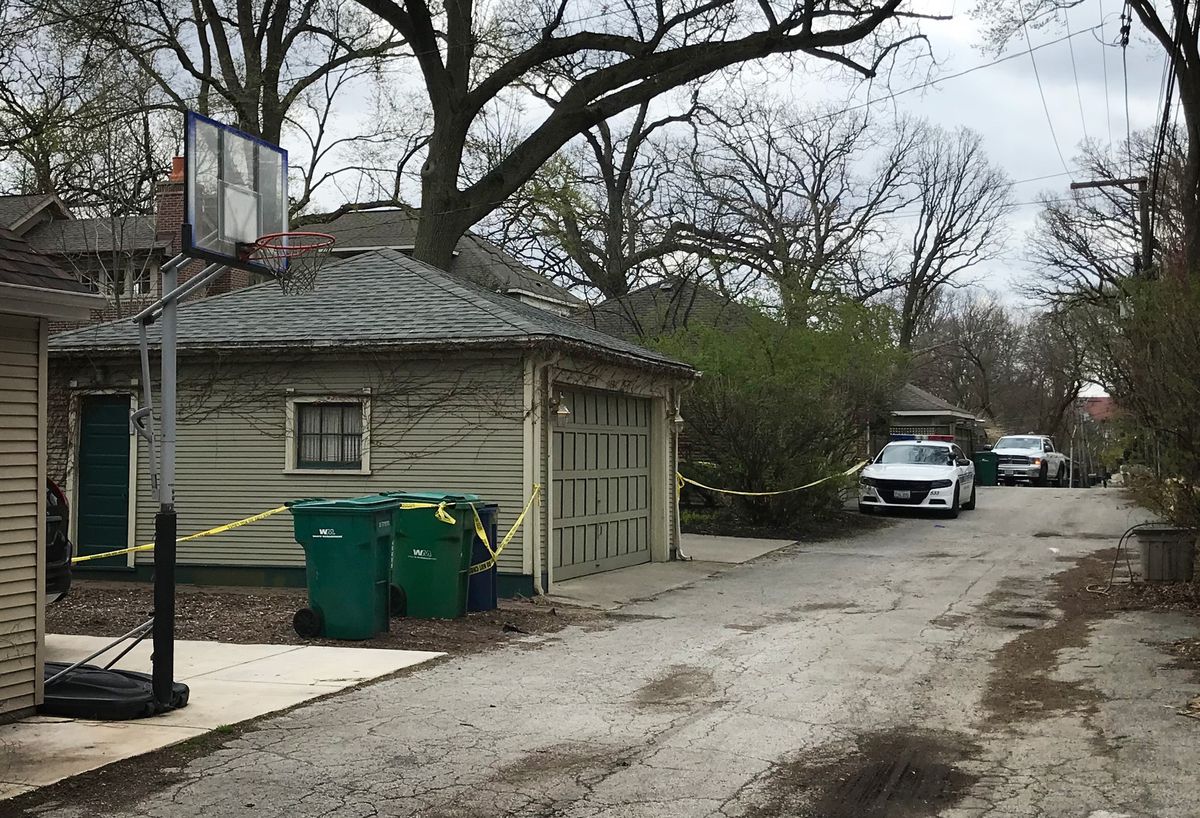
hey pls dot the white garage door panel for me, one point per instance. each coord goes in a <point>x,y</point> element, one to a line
<point>601,484</point>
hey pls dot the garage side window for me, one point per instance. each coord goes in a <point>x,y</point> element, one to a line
<point>328,435</point>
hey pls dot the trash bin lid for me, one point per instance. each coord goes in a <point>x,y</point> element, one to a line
<point>368,502</point>
<point>434,497</point>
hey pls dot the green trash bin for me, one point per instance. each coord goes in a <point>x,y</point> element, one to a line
<point>347,554</point>
<point>987,468</point>
<point>430,557</point>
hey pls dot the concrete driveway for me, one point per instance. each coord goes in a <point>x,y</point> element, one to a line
<point>930,668</point>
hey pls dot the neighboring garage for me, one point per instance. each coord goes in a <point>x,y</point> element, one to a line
<point>32,292</point>
<point>602,480</point>
<point>391,375</point>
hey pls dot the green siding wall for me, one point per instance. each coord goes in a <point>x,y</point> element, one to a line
<point>448,424</point>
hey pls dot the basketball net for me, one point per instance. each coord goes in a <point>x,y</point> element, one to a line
<point>294,258</point>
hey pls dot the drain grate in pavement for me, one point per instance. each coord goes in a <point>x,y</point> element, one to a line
<point>894,774</point>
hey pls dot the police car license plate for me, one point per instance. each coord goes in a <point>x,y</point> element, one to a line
<point>901,494</point>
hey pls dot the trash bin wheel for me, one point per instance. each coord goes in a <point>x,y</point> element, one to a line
<point>308,623</point>
<point>398,601</point>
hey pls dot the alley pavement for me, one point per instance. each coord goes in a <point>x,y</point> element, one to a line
<point>930,667</point>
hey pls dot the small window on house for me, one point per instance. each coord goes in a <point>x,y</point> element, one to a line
<point>139,278</point>
<point>329,435</point>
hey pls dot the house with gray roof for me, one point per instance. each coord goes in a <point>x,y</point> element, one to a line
<point>391,375</point>
<point>117,256</point>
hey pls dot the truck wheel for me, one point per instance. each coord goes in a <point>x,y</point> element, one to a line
<point>970,504</point>
<point>1059,482</point>
<point>1042,475</point>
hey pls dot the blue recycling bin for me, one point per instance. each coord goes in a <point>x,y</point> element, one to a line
<point>481,587</point>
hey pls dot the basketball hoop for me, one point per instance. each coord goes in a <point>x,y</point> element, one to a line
<point>294,258</point>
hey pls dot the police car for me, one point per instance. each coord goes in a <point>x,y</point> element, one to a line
<point>927,472</point>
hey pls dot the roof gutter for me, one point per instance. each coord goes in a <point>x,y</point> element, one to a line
<point>926,412</point>
<point>47,302</point>
<point>677,368</point>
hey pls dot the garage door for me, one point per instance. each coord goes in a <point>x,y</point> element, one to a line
<point>601,483</point>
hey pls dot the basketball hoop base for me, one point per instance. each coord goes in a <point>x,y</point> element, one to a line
<point>293,258</point>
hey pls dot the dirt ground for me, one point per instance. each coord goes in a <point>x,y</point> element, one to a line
<point>264,616</point>
<point>722,522</point>
<point>1022,684</point>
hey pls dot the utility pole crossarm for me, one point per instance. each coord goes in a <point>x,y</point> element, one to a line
<point>1132,180</point>
<point>1145,260</point>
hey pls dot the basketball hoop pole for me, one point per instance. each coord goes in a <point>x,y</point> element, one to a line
<point>165,523</point>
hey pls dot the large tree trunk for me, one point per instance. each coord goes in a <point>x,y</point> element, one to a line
<point>445,213</point>
<point>439,228</point>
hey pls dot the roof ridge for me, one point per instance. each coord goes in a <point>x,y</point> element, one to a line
<point>423,268</point>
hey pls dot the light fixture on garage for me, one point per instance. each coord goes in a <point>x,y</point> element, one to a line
<point>561,412</point>
<point>677,419</point>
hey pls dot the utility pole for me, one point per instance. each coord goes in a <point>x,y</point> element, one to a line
<point>1143,185</point>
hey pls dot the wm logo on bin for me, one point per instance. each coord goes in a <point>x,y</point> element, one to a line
<point>422,554</point>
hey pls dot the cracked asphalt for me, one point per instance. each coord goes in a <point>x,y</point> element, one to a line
<point>846,678</point>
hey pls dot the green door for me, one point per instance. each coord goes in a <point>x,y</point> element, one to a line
<point>102,499</point>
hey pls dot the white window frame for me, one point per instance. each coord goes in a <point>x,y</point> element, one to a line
<point>290,465</point>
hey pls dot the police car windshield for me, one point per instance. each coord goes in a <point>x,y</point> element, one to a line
<point>915,453</point>
<point>1018,443</point>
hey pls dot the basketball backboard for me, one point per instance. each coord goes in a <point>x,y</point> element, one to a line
<point>235,190</point>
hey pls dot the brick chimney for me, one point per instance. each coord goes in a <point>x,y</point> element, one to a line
<point>168,207</point>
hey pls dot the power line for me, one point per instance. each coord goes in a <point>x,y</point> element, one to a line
<point>1126,24</point>
<point>1075,72</point>
<point>1104,63</point>
<point>904,214</point>
<point>1041,91</point>
<point>931,83</point>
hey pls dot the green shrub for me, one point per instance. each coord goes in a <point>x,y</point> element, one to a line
<point>779,406</point>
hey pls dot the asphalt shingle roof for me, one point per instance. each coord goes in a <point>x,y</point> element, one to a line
<point>912,398</point>
<point>663,308</point>
<point>377,298</point>
<point>84,236</point>
<point>20,264</point>
<point>15,208</point>
<point>476,259</point>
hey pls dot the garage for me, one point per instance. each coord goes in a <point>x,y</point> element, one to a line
<point>601,486</point>
<point>32,292</point>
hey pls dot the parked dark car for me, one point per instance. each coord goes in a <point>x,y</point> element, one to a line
<point>59,549</point>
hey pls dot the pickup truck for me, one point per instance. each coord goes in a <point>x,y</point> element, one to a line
<point>1030,458</point>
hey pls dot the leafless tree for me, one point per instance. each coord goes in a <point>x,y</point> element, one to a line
<point>271,66</point>
<point>77,123</point>
<point>792,198</point>
<point>1024,368</point>
<point>619,57</point>
<point>967,354</point>
<point>602,215</point>
<point>958,223</point>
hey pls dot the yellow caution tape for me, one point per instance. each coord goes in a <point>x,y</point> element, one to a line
<point>441,513</point>
<point>494,554</point>
<point>218,530</point>
<point>680,480</point>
